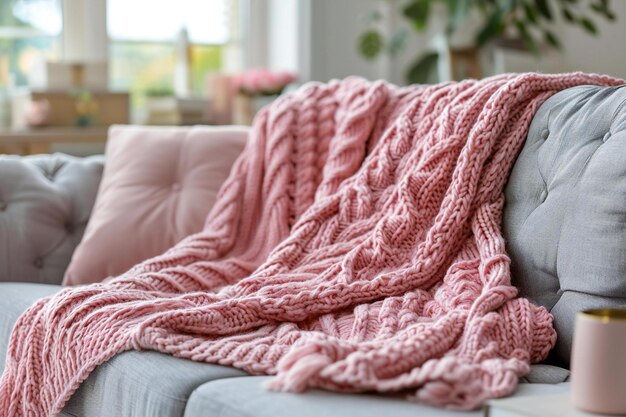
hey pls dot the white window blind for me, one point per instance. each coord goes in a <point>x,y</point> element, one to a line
<point>206,21</point>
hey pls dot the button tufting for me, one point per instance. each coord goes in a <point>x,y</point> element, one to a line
<point>176,186</point>
<point>545,134</point>
<point>606,136</point>
<point>3,206</point>
<point>69,228</point>
<point>38,263</point>
<point>543,196</point>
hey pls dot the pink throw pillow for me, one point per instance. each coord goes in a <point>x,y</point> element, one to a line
<point>158,186</point>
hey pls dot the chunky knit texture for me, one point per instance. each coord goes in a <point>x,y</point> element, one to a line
<point>356,246</point>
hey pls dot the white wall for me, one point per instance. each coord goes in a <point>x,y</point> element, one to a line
<point>335,26</point>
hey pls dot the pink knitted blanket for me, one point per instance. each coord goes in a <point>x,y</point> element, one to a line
<point>356,246</point>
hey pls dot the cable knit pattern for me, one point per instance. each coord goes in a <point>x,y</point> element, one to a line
<point>356,246</point>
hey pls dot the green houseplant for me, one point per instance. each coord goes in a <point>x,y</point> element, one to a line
<point>526,21</point>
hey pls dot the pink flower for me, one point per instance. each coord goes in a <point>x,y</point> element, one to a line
<point>261,81</point>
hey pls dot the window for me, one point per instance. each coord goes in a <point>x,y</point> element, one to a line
<point>145,37</point>
<point>29,34</point>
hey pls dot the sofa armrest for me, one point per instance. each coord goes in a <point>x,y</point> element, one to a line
<point>45,202</point>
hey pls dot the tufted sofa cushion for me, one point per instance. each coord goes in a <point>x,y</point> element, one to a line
<point>565,216</point>
<point>45,202</point>
<point>157,188</point>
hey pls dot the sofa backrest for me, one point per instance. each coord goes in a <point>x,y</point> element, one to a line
<point>45,202</point>
<point>565,214</point>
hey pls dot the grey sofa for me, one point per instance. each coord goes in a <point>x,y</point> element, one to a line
<point>565,225</point>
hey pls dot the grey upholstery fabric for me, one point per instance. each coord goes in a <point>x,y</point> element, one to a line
<point>14,299</point>
<point>45,202</point>
<point>132,384</point>
<point>565,211</point>
<point>546,374</point>
<point>247,397</point>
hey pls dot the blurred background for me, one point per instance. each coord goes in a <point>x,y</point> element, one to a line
<point>71,68</point>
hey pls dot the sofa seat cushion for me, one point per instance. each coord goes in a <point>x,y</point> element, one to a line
<point>248,397</point>
<point>132,384</point>
<point>565,212</point>
<point>143,384</point>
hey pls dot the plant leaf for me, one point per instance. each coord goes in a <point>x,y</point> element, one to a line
<point>610,15</point>
<point>370,44</point>
<point>551,39</point>
<point>568,16</point>
<point>607,10</point>
<point>527,37</point>
<point>602,7</point>
<point>588,25</point>
<point>544,8</point>
<point>417,12</point>
<point>531,13</point>
<point>424,69</point>
<point>491,29</point>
